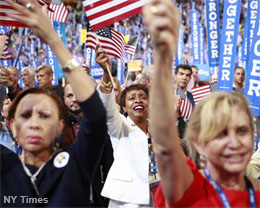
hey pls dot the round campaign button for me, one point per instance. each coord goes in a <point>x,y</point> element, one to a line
<point>61,159</point>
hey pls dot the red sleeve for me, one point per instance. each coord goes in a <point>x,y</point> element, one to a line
<point>159,200</point>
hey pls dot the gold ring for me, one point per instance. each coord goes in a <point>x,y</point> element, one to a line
<point>154,9</point>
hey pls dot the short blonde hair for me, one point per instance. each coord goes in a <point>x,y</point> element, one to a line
<point>46,68</point>
<point>204,124</point>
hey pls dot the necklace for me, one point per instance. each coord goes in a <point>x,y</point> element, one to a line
<point>33,177</point>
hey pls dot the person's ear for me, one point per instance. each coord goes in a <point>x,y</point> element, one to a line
<point>12,127</point>
<point>61,126</point>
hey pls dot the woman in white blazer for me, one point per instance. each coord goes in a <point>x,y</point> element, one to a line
<point>129,179</point>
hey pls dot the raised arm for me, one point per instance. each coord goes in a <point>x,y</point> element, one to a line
<point>35,18</point>
<point>163,22</point>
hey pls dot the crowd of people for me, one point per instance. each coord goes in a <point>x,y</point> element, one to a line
<point>134,26</point>
<point>89,144</point>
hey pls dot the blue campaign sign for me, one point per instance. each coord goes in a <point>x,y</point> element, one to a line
<point>120,71</point>
<point>3,29</point>
<point>50,60</point>
<point>202,45</point>
<point>96,71</point>
<point>213,31</point>
<point>88,55</point>
<point>180,47</point>
<point>147,58</point>
<point>204,71</point>
<point>251,17</point>
<point>195,37</point>
<point>57,68</point>
<point>244,43</point>
<point>6,63</point>
<point>228,49</point>
<point>252,84</point>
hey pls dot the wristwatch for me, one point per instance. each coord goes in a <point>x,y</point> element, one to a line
<point>70,66</point>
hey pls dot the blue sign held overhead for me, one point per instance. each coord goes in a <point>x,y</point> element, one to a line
<point>202,46</point>
<point>252,84</point>
<point>57,69</point>
<point>120,71</point>
<point>51,61</point>
<point>195,37</point>
<point>180,47</point>
<point>213,31</point>
<point>244,44</point>
<point>3,30</point>
<point>228,50</point>
<point>252,23</point>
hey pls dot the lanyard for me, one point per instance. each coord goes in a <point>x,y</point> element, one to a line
<point>222,195</point>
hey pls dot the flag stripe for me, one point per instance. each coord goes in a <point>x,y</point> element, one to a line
<point>108,8</point>
<point>8,21</point>
<point>200,92</point>
<point>60,13</point>
<point>186,108</point>
<point>130,50</point>
<point>102,13</point>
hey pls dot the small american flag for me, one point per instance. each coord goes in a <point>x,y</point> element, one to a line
<point>5,55</point>
<point>186,108</point>
<point>60,13</point>
<point>102,13</point>
<point>109,39</point>
<point>200,92</point>
<point>131,45</point>
<point>8,21</point>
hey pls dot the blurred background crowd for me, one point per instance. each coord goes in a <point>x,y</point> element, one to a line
<point>133,26</point>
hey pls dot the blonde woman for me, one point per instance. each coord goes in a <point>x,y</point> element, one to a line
<point>220,129</point>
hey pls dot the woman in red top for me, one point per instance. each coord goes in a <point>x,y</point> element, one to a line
<point>220,129</point>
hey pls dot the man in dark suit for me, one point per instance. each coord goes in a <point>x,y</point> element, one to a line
<point>182,77</point>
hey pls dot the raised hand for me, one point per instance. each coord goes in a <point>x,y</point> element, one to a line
<point>7,77</point>
<point>102,59</point>
<point>163,20</point>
